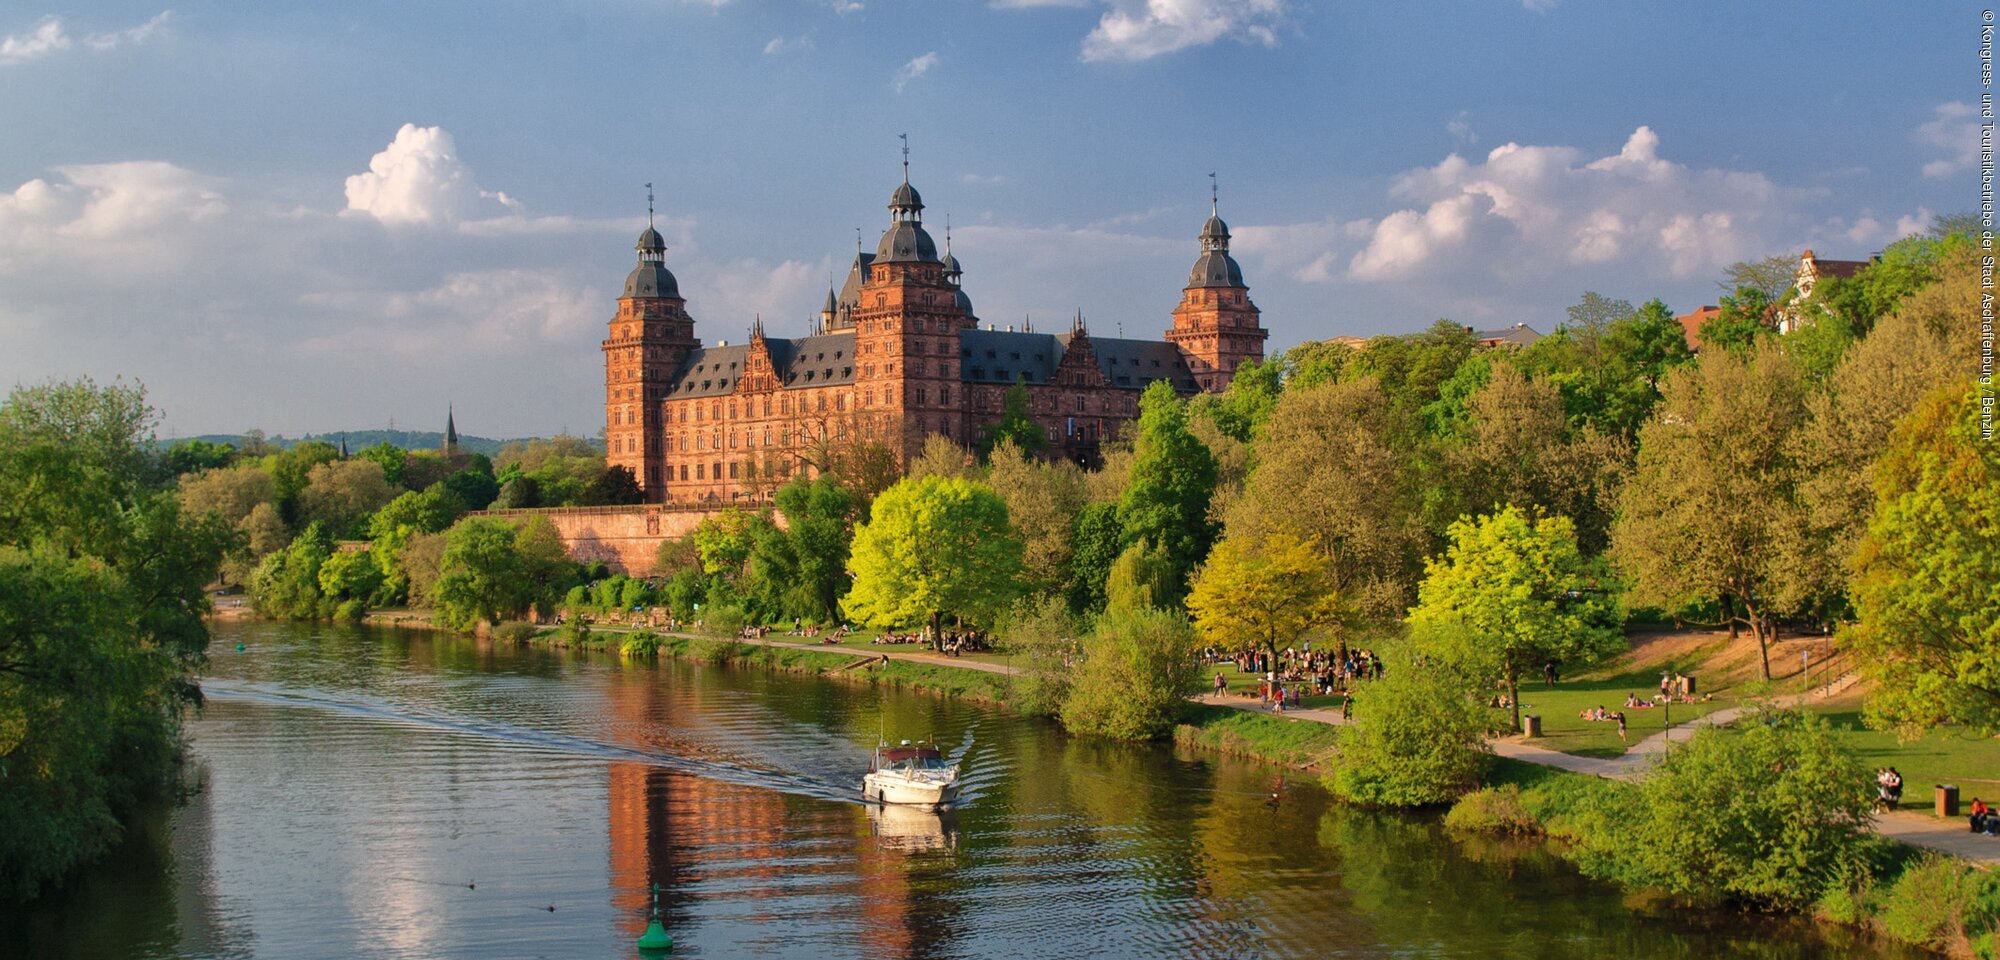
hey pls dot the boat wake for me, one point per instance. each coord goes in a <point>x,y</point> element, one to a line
<point>514,735</point>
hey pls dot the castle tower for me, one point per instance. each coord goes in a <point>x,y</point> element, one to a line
<point>649,336</point>
<point>906,325</point>
<point>1216,325</point>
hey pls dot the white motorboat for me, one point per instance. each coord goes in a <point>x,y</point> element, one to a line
<point>911,774</point>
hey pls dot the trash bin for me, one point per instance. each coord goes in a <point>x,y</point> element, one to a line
<point>1531,726</point>
<point>1947,799</point>
<point>1687,685</point>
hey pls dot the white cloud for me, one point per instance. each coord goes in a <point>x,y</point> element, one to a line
<point>1033,4</point>
<point>417,178</point>
<point>132,211</point>
<point>1143,29</point>
<point>1539,6</point>
<point>1542,209</point>
<point>51,35</point>
<point>917,67</point>
<point>781,44</point>
<point>1952,130</point>
<point>982,179</point>
<point>845,7</point>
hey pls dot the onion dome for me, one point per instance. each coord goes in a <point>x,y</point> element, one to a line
<point>1215,267</point>
<point>651,278</point>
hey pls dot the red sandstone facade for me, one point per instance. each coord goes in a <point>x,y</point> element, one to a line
<point>899,355</point>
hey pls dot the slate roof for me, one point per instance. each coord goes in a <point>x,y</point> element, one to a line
<point>804,362</point>
<point>1518,335</point>
<point>998,356</point>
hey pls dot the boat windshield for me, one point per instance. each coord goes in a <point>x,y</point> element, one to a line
<point>913,758</point>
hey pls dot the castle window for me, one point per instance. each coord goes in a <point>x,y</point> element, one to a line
<point>697,413</point>
<point>1016,356</point>
<point>921,398</point>
<point>701,442</point>
<point>944,395</point>
<point>978,373</point>
<point>822,401</point>
<point>732,439</point>
<point>718,470</point>
<point>809,376</point>
<point>990,355</point>
<point>847,371</point>
<point>732,469</point>
<point>732,409</point>
<point>684,472</point>
<point>1001,374</point>
<point>767,406</point>
<point>1079,404</point>
<point>1156,363</point>
<point>966,352</point>
<point>698,472</point>
<point>840,402</point>
<point>767,436</point>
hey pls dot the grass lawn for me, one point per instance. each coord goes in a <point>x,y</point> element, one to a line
<point>1943,756</point>
<point>1563,730</point>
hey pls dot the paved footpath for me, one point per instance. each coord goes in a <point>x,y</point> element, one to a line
<point>1915,829</point>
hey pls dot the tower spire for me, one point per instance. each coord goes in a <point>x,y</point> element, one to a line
<point>1211,195</point>
<point>649,205</point>
<point>906,155</point>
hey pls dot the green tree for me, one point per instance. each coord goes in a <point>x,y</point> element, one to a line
<point>1016,424</point>
<point>819,516</point>
<point>1703,518</point>
<point>191,456</point>
<point>291,469</point>
<point>1138,668</point>
<point>1520,586</point>
<point>1264,594</point>
<point>934,546</point>
<point>1927,573</point>
<point>101,623</point>
<point>389,457</point>
<point>615,485</point>
<point>1166,498</point>
<point>518,493</point>
<point>1043,499</point>
<point>1242,408</point>
<point>349,580</point>
<point>1139,578</point>
<point>1100,535</point>
<point>476,488</point>
<point>1746,319</point>
<point>482,576</point>
<point>1518,447</point>
<point>1770,276</point>
<point>287,584</point>
<point>724,540</point>
<point>1333,468</point>
<point>342,493</point>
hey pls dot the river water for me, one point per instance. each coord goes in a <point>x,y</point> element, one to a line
<point>376,793</point>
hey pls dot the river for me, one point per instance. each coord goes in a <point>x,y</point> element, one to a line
<point>369,793</point>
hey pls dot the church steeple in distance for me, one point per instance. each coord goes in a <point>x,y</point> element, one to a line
<point>450,432</point>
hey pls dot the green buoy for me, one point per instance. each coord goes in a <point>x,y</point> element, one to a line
<point>239,648</point>
<point>655,940</point>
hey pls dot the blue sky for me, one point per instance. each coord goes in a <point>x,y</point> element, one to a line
<point>324,216</point>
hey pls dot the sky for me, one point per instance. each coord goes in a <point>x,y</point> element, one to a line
<point>307,217</point>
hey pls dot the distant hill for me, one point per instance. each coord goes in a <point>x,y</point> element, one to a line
<point>356,439</point>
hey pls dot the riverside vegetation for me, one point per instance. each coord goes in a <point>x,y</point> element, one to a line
<point>1465,513</point>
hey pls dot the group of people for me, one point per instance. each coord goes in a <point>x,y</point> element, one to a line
<point>1607,716</point>
<point>1300,669</point>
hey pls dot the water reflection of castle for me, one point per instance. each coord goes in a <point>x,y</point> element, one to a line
<point>684,831</point>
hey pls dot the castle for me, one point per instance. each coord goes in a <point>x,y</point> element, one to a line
<point>896,355</point>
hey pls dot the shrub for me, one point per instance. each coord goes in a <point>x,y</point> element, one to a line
<point>1943,904</point>
<point>1771,812</point>
<point>1493,810</point>
<point>514,631</point>
<point>1138,667</point>
<point>724,620</point>
<point>1418,737</point>
<point>1042,637</point>
<point>641,645</point>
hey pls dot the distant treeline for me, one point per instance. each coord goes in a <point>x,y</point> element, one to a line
<point>356,439</point>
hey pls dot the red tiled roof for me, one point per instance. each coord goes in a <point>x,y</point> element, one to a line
<point>1691,324</point>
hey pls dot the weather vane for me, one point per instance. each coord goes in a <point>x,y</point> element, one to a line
<point>906,155</point>
<point>1211,194</point>
<point>649,204</point>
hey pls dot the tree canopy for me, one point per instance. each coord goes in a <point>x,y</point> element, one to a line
<point>934,546</point>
